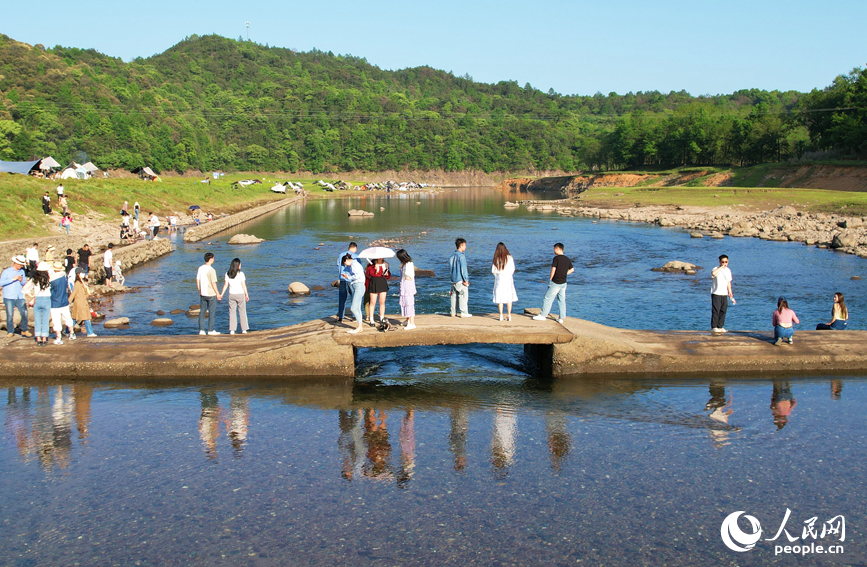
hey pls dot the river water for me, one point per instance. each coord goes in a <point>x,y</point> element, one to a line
<point>448,455</point>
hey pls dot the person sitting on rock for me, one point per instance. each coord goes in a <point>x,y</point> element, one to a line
<point>839,316</point>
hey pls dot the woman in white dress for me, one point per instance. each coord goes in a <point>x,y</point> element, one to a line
<point>504,286</point>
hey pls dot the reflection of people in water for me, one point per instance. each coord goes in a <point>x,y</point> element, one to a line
<point>720,412</point>
<point>350,443</point>
<point>459,421</point>
<point>209,423</point>
<point>236,424</point>
<point>836,389</point>
<point>378,447</point>
<point>503,442</point>
<point>782,403</point>
<point>559,441</point>
<point>407,449</point>
<point>81,396</point>
<point>47,433</point>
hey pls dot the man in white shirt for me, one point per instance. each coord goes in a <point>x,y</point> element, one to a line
<point>32,257</point>
<point>108,263</point>
<point>206,281</point>
<point>720,292</point>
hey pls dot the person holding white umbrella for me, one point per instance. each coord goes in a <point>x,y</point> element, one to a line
<point>377,275</point>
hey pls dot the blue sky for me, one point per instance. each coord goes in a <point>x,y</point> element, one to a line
<point>574,47</point>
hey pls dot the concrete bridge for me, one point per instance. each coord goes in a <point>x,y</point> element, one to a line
<point>323,348</point>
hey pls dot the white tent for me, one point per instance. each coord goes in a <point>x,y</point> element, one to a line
<point>90,167</point>
<point>74,171</point>
<point>48,163</point>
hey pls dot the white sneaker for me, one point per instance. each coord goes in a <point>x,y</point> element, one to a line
<point>465,315</point>
<point>501,317</point>
<point>409,327</point>
<point>243,332</point>
<point>560,320</point>
<point>355,330</point>
<point>58,341</point>
<point>715,330</point>
<point>72,337</point>
<point>213,333</point>
<point>91,335</point>
<point>202,332</point>
<point>231,332</point>
<point>539,317</point>
<point>721,330</point>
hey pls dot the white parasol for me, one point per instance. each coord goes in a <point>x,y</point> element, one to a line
<point>376,252</point>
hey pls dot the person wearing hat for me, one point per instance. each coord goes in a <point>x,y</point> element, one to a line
<point>38,287</point>
<point>49,254</point>
<point>782,320</point>
<point>12,282</point>
<point>60,314</point>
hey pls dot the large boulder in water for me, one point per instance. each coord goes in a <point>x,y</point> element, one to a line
<point>245,239</point>
<point>298,288</point>
<point>162,322</point>
<point>116,322</point>
<point>676,267</point>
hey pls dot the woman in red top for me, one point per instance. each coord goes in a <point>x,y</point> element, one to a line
<point>782,320</point>
<point>377,286</point>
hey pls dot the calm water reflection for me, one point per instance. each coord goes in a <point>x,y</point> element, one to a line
<point>487,469</point>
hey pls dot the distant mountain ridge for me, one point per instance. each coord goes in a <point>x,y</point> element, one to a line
<point>210,102</point>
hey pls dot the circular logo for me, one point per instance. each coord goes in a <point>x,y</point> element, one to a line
<point>735,538</point>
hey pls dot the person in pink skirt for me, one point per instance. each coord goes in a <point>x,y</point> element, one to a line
<point>407,288</point>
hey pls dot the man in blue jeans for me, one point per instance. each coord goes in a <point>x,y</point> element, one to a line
<point>459,293</point>
<point>206,281</point>
<point>12,281</point>
<point>561,267</point>
<point>344,288</point>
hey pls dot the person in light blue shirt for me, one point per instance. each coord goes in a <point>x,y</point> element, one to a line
<point>343,289</point>
<point>459,293</point>
<point>353,274</point>
<point>12,282</point>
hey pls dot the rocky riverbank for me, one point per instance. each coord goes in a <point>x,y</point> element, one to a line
<point>784,224</point>
<point>197,233</point>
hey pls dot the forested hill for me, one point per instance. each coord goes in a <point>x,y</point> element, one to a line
<point>212,102</point>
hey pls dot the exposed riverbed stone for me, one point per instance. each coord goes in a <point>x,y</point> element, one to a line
<point>359,213</point>
<point>116,322</point>
<point>162,322</point>
<point>298,288</point>
<point>245,239</point>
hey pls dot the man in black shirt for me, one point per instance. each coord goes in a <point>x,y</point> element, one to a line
<point>84,254</point>
<point>561,267</point>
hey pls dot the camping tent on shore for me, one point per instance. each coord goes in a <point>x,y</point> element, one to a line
<point>90,167</point>
<point>74,171</point>
<point>22,167</point>
<point>48,163</point>
<point>145,172</point>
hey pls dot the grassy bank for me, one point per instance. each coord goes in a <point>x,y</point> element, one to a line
<point>738,198</point>
<point>21,198</point>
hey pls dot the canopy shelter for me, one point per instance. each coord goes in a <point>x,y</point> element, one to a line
<point>22,167</point>
<point>145,172</point>
<point>90,167</point>
<point>48,163</point>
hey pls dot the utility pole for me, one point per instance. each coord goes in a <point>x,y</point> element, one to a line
<point>248,30</point>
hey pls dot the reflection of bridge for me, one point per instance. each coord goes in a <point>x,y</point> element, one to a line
<point>322,348</point>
